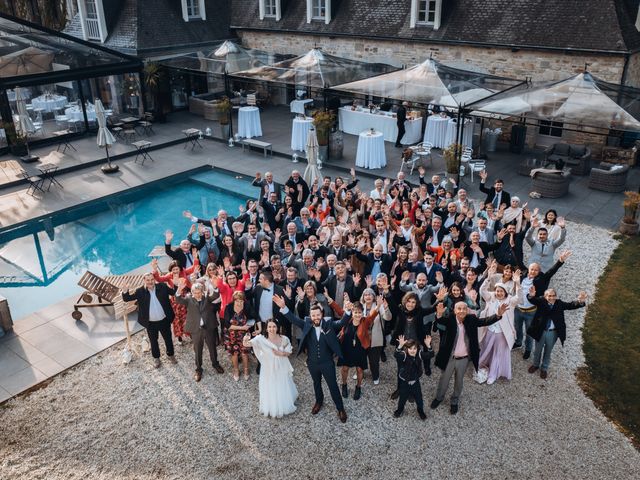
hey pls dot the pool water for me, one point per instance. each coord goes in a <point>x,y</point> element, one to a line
<point>43,267</point>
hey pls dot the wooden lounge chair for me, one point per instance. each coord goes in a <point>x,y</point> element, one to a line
<point>108,291</point>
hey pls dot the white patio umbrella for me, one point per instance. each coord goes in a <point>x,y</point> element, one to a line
<point>311,173</point>
<point>24,123</point>
<point>105,137</point>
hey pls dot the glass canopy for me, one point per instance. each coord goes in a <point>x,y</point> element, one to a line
<point>227,57</point>
<point>431,83</point>
<point>30,54</point>
<point>315,69</point>
<point>579,100</point>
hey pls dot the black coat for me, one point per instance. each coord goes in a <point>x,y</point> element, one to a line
<point>386,262</point>
<point>350,288</point>
<point>544,312</point>
<point>275,310</point>
<point>143,297</point>
<point>401,320</point>
<point>448,327</point>
<point>491,193</point>
<point>329,327</point>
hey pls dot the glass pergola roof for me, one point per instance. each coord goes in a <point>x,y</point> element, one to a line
<point>30,55</point>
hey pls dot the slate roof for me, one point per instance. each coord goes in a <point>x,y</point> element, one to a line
<point>600,25</point>
<point>146,27</point>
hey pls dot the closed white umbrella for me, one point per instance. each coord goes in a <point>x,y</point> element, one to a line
<point>311,173</point>
<point>24,124</point>
<point>105,137</point>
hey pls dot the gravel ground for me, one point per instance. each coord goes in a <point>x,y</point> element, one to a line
<point>106,420</point>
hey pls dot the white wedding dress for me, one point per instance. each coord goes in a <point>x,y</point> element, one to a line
<point>277,390</point>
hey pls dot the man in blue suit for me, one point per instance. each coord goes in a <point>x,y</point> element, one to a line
<point>320,339</point>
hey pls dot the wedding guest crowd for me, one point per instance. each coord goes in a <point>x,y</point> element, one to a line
<point>341,276</point>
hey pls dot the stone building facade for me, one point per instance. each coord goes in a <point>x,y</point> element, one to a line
<point>548,40</point>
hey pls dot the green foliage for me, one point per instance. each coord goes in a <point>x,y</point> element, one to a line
<point>323,121</point>
<point>612,340</point>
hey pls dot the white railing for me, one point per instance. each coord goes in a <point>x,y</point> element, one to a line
<point>92,29</point>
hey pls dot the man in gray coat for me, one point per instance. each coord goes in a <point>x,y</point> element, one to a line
<point>543,249</point>
<point>201,323</point>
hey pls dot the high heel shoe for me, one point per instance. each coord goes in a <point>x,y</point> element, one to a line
<point>236,375</point>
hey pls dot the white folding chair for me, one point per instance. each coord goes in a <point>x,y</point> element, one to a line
<point>476,166</point>
<point>410,161</point>
<point>251,100</point>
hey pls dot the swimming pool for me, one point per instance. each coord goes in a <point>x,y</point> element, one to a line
<point>42,261</point>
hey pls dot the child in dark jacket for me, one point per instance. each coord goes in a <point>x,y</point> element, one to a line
<point>410,361</point>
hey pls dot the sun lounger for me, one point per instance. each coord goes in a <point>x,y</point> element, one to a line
<point>108,291</point>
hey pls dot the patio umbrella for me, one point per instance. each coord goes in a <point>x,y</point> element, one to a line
<point>312,173</point>
<point>24,123</point>
<point>25,62</point>
<point>105,137</point>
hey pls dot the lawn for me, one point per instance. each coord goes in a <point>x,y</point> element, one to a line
<point>612,341</point>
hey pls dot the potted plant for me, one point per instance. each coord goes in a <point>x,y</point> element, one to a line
<point>153,77</point>
<point>224,108</point>
<point>323,120</point>
<point>631,204</point>
<point>16,140</point>
<point>452,156</point>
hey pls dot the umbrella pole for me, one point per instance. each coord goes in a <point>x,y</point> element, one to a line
<point>109,167</point>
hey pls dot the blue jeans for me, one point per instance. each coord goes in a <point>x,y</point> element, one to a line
<point>547,341</point>
<point>523,319</point>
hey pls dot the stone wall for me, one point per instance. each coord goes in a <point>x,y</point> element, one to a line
<point>633,71</point>
<point>540,65</point>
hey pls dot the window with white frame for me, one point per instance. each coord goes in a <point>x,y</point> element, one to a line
<point>193,10</point>
<point>550,128</point>
<point>318,9</point>
<point>92,20</point>
<point>426,12</point>
<point>269,8</point>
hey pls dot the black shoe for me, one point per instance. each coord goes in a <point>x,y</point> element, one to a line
<point>395,395</point>
<point>516,345</point>
<point>345,391</point>
<point>435,403</point>
<point>357,393</point>
<point>526,354</point>
<point>397,413</point>
<point>383,357</point>
<point>422,415</point>
<point>454,409</point>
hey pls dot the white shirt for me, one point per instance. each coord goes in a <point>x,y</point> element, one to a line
<point>156,312</point>
<point>318,330</point>
<point>525,285</point>
<point>434,240</point>
<point>265,309</point>
<point>483,235</point>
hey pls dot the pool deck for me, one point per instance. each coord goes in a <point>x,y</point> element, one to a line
<point>48,342</point>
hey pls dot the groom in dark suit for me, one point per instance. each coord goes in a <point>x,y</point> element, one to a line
<point>320,339</point>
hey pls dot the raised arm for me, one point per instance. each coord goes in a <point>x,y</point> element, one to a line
<point>295,320</point>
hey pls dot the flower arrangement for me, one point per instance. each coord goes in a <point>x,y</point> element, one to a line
<point>323,121</point>
<point>631,205</point>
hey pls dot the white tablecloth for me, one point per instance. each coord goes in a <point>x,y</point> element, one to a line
<point>467,134</point>
<point>249,122</point>
<point>355,121</point>
<point>297,106</point>
<point>300,132</point>
<point>49,103</point>
<point>436,131</point>
<point>75,114</point>
<point>371,152</point>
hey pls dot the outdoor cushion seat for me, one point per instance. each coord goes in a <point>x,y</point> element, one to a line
<point>578,157</point>
<point>551,185</point>
<point>609,177</point>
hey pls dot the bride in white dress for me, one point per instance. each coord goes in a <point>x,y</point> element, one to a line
<point>277,390</point>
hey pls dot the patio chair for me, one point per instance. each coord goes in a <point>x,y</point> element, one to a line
<point>609,177</point>
<point>551,185</point>
<point>476,166</point>
<point>35,183</point>
<point>251,100</point>
<point>109,293</point>
<point>409,157</point>
<point>423,150</point>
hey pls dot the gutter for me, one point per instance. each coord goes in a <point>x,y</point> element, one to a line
<point>436,41</point>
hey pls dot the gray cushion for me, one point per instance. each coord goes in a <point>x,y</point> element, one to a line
<point>561,149</point>
<point>577,151</point>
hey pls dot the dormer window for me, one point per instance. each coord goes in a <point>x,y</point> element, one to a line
<point>93,24</point>
<point>270,9</point>
<point>638,19</point>
<point>426,12</point>
<point>319,10</point>
<point>193,10</point>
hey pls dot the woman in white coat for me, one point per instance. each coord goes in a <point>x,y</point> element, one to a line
<point>497,340</point>
<point>278,393</point>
